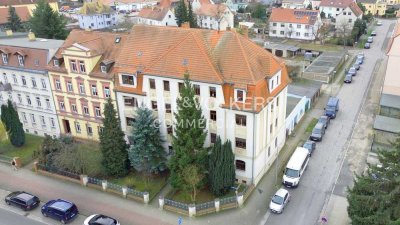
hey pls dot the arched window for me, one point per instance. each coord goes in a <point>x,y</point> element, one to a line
<point>240,165</point>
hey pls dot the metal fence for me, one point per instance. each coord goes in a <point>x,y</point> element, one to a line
<point>95,181</point>
<point>206,205</point>
<point>228,200</point>
<point>135,192</point>
<point>59,172</point>
<point>114,187</point>
<point>176,204</point>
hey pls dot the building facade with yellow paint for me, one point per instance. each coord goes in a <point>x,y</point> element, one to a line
<point>375,7</point>
<point>81,76</point>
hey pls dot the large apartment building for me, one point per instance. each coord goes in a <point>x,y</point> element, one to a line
<point>241,87</point>
<point>81,77</point>
<point>24,80</point>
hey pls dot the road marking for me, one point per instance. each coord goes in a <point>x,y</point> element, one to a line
<point>265,218</point>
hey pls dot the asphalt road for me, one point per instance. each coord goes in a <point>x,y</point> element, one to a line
<point>10,218</point>
<point>316,185</point>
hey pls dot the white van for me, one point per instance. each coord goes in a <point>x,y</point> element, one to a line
<point>295,167</point>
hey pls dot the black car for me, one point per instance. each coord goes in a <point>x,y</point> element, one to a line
<point>348,78</point>
<point>356,65</point>
<point>373,33</point>
<point>310,145</point>
<point>22,200</point>
<point>318,132</point>
<point>325,120</point>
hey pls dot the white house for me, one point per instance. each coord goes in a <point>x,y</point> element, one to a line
<point>24,80</point>
<point>235,5</point>
<point>334,9</point>
<point>157,16</point>
<point>295,4</point>
<point>294,23</point>
<point>130,5</point>
<point>95,15</point>
<point>243,100</point>
<point>346,18</point>
<point>214,16</point>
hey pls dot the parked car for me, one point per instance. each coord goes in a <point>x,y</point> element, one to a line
<point>122,11</point>
<point>325,120</point>
<point>356,65</point>
<point>373,33</point>
<point>310,145</point>
<point>379,23</point>
<point>332,107</point>
<point>370,39</point>
<point>98,219</point>
<point>279,201</point>
<point>348,78</point>
<point>367,45</point>
<point>22,200</point>
<point>360,58</point>
<point>352,71</point>
<point>318,132</point>
<point>60,209</point>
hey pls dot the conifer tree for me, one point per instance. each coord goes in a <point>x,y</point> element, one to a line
<point>147,153</point>
<point>181,13</point>
<point>191,17</point>
<point>13,125</point>
<point>112,143</point>
<point>189,136</point>
<point>5,116</point>
<point>14,22</point>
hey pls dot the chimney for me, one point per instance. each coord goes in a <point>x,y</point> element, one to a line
<point>31,36</point>
<point>9,32</point>
<point>185,25</point>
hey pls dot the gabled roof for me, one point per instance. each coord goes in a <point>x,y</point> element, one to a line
<point>395,34</point>
<point>293,1</point>
<point>20,2</point>
<point>335,3</point>
<point>355,9</point>
<point>21,11</point>
<point>302,16</point>
<point>91,8</point>
<point>153,13</point>
<point>212,10</point>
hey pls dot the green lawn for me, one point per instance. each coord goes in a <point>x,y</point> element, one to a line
<point>204,195</point>
<point>312,124</point>
<point>139,182</point>
<point>315,47</point>
<point>25,152</point>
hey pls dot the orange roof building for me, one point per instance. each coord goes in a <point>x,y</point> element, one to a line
<point>241,87</point>
<point>157,16</point>
<point>22,12</point>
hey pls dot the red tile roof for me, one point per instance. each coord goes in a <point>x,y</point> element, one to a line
<point>301,16</point>
<point>31,57</point>
<point>20,2</point>
<point>212,10</point>
<point>355,9</point>
<point>153,13</point>
<point>335,3</point>
<point>22,12</point>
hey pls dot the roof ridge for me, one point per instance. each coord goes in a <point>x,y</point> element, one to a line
<point>245,57</point>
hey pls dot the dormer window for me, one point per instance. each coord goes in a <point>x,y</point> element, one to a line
<point>239,95</point>
<point>21,60</point>
<point>56,63</point>
<point>103,69</point>
<point>4,56</point>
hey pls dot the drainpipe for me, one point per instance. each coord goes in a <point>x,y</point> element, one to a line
<point>254,142</point>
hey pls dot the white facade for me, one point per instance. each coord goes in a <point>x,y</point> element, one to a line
<point>222,22</point>
<point>132,6</point>
<point>294,30</point>
<point>297,113</point>
<point>168,20</point>
<point>295,4</point>
<point>345,20</point>
<point>31,93</point>
<point>262,132</point>
<point>97,21</point>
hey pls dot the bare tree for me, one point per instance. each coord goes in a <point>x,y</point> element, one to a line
<point>343,27</point>
<point>289,31</point>
<point>316,29</point>
<point>323,33</point>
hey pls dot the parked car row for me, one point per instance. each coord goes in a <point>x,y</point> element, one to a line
<point>298,162</point>
<point>353,70</point>
<point>370,39</point>
<point>59,209</point>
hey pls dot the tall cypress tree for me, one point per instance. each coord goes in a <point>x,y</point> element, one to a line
<point>14,22</point>
<point>191,17</point>
<point>147,153</point>
<point>112,143</point>
<point>14,126</point>
<point>181,13</point>
<point>189,136</point>
<point>221,168</point>
<point>5,116</point>
<point>47,23</point>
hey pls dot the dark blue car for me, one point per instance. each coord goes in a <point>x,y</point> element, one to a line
<point>60,209</point>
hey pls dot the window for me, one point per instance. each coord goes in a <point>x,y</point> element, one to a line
<point>282,25</point>
<point>77,127</point>
<point>129,121</point>
<point>298,25</point>
<point>213,115</point>
<point>73,108</point>
<point>213,137</point>
<point>298,34</point>
<point>24,117</point>
<point>15,79</point>
<point>166,85</point>
<point>5,78</point>
<point>42,121</point>
<point>130,101</point>
<point>74,67</point>
<point>94,90</point>
<point>277,101</point>
<point>43,81</point>
<point>81,88</point>
<point>69,86</point>
<point>240,143</point>
<point>38,102</point>
<point>33,119</point>
<point>270,128</point>
<point>36,62</point>
<point>282,32</point>
<point>103,69</point>
<point>213,92</point>
<point>274,24</point>
<point>167,108</point>
<point>276,122</point>
<point>28,100</point>
<point>48,103</point>
<point>305,34</point>
<point>344,13</point>
<point>196,89</point>
<point>349,13</point>
<point>337,9</point>
<point>307,26</point>
<point>274,31</point>
<point>240,120</point>
<point>180,86</point>
<point>152,84</point>
<point>20,60</point>
<point>128,79</point>
<point>154,105</point>
<point>97,111</point>
<point>58,85</point>
<point>100,129</point>
<point>52,122</point>
<point>107,92</point>
<point>56,63</point>
<point>4,57</point>
<point>62,106</point>
<point>290,25</point>
<point>89,130</point>
<point>350,20</point>
<point>240,165</point>
<point>19,98</point>
<point>239,95</point>
<point>169,129</point>
<point>276,142</point>
<point>82,66</point>
<point>86,110</point>
<point>23,80</point>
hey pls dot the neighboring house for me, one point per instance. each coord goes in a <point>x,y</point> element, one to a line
<point>95,15</point>
<point>29,4</point>
<point>295,109</point>
<point>214,16</point>
<point>294,23</point>
<point>375,7</point>
<point>295,4</point>
<point>81,76</point>
<point>130,5</point>
<point>346,18</point>
<point>235,5</point>
<point>22,12</point>
<point>24,80</point>
<point>151,69</point>
<point>157,16</point>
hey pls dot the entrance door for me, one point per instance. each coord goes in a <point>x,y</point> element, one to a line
<point>67,128</point>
